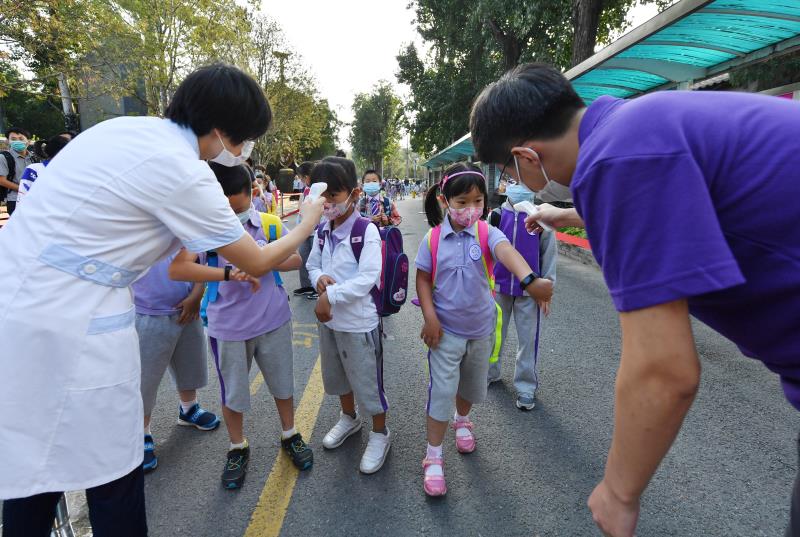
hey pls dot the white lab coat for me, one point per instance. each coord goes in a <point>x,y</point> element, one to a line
<point>117,199</point>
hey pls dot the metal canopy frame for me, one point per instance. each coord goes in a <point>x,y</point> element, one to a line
<point>691,41</point>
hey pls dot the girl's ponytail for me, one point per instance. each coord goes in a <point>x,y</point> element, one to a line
<point>433,212</point>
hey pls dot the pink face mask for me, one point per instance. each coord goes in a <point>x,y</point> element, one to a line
<point>466,216</point>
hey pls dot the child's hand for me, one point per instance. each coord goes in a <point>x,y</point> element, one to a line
<point>239,276</point>
<point>431,333</point>
<point>323,309</point>
<point>541,289</point>
<point>544,306</point>
<point>190,310</point>
<point>323,283</point>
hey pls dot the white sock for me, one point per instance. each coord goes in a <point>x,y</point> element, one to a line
<point>434,469</point>
<point>462,432</point>
<point>147,430</point>
<point>188,406</point>
<point>239,446</point>
<point>288,434</point>
<point>459,417</point>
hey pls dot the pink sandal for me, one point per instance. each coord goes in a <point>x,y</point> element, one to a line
<point>464,444</point>
<point>434,485</point>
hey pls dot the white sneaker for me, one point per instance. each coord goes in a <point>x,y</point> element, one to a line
<point>375,454</point>
<point>344,429</point>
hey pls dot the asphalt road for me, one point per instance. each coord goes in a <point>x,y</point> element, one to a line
<point>728,474</point>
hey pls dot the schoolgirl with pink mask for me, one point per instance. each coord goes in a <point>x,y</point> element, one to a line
<point>455,286</point>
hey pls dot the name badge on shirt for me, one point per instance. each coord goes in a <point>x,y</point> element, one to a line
<point>475,252</point>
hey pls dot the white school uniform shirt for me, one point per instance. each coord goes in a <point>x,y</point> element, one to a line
<point>118,198</point>
<point>352,307</point>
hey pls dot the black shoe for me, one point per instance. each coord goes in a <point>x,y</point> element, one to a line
<point>303,291</point>
<point>150,460</point>
<point>235,468</point>
<point>298,450</point>
<point>313,295</point>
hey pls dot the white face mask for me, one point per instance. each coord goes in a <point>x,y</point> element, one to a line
<point>243,216</point>
<point>226,158</point>
<point>553,190</point>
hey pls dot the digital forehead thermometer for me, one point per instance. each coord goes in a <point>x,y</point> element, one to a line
<point>530,209</point>
<point>316,190</point>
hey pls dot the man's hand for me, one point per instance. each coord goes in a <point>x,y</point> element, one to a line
<point>553,217</point>
<point>544,306</point>
<point>541,289</point>
<point>190,310</point>
<point>323,309</point>
<point>614,517</point>
<point>323,282</point>
<point>431,333</point>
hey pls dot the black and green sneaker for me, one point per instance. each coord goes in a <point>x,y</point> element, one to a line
<point>235,468</point>
<point>298,450</point>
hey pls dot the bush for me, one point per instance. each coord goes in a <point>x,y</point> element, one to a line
<point>574,231</point>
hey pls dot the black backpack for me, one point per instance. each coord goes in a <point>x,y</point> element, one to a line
<point>12,173</point>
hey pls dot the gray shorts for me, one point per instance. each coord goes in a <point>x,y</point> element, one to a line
<point>353,362</point>
<point>457,366</point>
<point>274,356</point>
<point>164,344</point>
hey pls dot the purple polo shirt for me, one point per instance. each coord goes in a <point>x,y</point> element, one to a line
<point>238,314</point>
<point>461,296</point>
<point>694,195</point>
<point>155,294</point>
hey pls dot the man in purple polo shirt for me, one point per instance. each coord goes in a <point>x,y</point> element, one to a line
<point>685,199</point>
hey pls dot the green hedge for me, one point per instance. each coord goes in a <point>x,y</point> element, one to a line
<point>574,231</point>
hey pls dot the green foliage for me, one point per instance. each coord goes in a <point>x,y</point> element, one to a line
<point>27,108</point>
<point>472,43</point>
<point>574,231</point>
<point>375,130</point>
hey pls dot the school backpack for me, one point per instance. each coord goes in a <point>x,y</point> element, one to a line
<point>273,228</point>
<point>12,173</point>
<point>482,232</point>
<point>392,289</point>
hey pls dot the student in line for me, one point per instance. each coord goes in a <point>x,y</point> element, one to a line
<point>249,318</point>
<point>455,285</point>
<point>349,333</point>
<point>374,205</point>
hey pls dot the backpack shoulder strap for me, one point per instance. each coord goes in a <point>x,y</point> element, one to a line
<point>387,206</point>
<point>433,245</point>
<point>12,165</point>
<point>482,229</point>
<point>495,217</point>
<point>272,226</point>
<point>357,235</point>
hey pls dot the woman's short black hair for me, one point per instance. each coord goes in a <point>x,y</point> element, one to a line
<point>472,177</point>
<point>233,179</point>
<point>531,101</point>
<point>371,172</point>
<point>348,165</point>
<point>334,175</point>
<point>222,97</point>
<point>50,148</point>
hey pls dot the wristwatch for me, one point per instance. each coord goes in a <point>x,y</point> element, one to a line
<point>228,269</point>
<point>527,280</point>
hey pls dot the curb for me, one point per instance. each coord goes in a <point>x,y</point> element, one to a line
<point>576,248</point>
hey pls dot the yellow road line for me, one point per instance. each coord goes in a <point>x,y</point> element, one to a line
<point>267,518</point>
<point>256,384</point>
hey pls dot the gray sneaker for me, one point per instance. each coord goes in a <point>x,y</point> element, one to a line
<point>526,401</point>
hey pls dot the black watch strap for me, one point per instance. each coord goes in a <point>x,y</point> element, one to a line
<point>228,269</point>
<point>527,280</point>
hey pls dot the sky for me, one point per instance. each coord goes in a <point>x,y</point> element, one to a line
<point>349,45</point>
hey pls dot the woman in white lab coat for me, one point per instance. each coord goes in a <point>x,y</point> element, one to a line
<point>118,198</point>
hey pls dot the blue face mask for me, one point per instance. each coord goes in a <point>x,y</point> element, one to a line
<point>18,146</point>
<point>371,188</point>
<point>518,194</point>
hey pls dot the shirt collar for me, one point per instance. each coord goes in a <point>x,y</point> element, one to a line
<point>597,111</point>
<point>188,134</point>
<point>255,218</point>
<point>447,228</point>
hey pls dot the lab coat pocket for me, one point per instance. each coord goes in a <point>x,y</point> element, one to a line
<point>111,353</point>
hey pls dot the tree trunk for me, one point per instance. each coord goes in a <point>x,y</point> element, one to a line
<point>585,19</point>
<point>510,43</point>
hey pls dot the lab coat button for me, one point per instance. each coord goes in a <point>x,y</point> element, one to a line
<point>90,269</point>
<point>116,277</point>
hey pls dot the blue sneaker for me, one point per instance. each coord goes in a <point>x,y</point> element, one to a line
<point>150,459</point>
<point>199,418</point>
